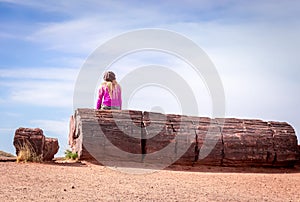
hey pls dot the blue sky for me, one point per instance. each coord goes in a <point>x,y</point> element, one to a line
<point>254,45</point>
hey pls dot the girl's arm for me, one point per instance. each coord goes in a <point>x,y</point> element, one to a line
<point>120,101</point>
<point>100,97</point>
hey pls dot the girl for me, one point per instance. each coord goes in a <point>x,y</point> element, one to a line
<point>109,96</point>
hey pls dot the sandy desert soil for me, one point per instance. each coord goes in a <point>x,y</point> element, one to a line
<point>88,182</point>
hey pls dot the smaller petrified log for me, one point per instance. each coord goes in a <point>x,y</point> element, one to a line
<point>298,160</point>
<point>33,139</point>
<point>36,142</point>
<point>50,148</point>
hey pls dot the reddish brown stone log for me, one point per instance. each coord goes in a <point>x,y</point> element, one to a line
<point>34,139</point>
<point>50,148</point>
<point>298,162</point>
<point>148,137</point>
<point>36,142</point>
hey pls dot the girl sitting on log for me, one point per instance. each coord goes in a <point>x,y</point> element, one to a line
<point>109,96</point>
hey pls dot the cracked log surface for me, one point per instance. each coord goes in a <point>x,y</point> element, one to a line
<point>127,135</point>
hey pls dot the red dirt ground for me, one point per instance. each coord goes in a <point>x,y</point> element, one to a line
<point>88,182</point>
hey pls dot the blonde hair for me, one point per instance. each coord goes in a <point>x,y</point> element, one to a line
<point>113,88</point>
<point>111,83</point>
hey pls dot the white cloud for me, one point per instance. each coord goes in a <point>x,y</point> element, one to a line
<point>75,36</point>
<point>40,87</point>
<point>52,94</point>
<point>54,127</point>
<point>44,73</point>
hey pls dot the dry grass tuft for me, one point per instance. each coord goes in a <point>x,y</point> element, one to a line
<point>27,153</point>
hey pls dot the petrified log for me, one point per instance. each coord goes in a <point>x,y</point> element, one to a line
<point>155,138</point>
<point>35,141</point>
<point>32,139</point>
<point>50,148</point>
<point>298,162</point>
